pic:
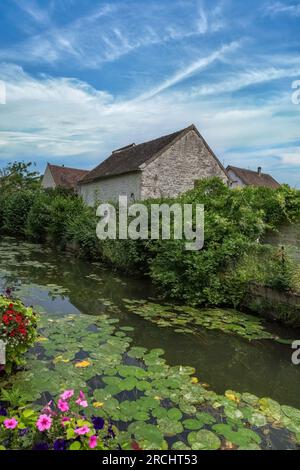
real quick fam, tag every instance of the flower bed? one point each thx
(58, 426)
(17, 331)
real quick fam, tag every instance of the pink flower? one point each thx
(63, 405)
(93, 442)
(82, 431)
(44, 423)
(81, 401)
(10, 423)
(67, 395)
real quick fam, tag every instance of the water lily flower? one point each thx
(10, 423)
(67, 395)
(44, 423)
(63, 405)
(82, 431)
(93, 442)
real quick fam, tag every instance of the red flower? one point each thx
(135, 446)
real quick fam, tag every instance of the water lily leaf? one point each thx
(291, 413)
(174, 414)
(270, 408)
(242, 437)
(169, 427)
(204, 440)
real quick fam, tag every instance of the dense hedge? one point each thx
(235, 220)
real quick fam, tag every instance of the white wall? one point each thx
(48, 181)
(110, 189)
(237, 181)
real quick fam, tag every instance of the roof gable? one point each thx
(66, 177)
(131, 158)
(253, 178)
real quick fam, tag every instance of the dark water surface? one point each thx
(61, 284)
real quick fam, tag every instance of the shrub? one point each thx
(15, 210)
(17, 330)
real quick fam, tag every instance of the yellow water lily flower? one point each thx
(232, 396)
(98, 404)
(41, 339)
(194, 380)
(60, 359)
(82, 364)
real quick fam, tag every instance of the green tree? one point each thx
(18, 175)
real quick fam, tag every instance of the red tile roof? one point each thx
(66, 177)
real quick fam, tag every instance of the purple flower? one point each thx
(3, 411)
(98, 423)
(23, 432)
(60, 444)
(41, 446)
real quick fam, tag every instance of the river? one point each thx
(60, 284)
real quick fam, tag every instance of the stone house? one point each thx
(60, 176)
(240, 177)
(164, 167)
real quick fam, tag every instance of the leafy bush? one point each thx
(15, 209)
(17, 330)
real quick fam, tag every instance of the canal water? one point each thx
(60, 284)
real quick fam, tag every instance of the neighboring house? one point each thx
(241, 177)
(165, 167)
(61, 176)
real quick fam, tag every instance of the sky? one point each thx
(84, 77)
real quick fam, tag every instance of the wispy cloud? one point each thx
(32, 9)
(195, 67)
(241, 80)
(278, 8)
(110, 31)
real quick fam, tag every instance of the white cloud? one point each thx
(70, 122)
(242, 80)
(191, 69)
(277, 8)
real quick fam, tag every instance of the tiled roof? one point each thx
(66, 177)
(254, 178)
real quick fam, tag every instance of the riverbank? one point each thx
(218, 275)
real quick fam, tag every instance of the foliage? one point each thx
(17, 330)
(58, 426)
(14, 211)
(187, 320)
(235, 223)
(18, 176)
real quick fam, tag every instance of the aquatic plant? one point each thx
(152, 403)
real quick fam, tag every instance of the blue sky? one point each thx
(84, 77)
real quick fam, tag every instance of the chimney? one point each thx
(259, 170)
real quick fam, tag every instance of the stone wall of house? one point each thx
(178, 169)
(48, 181)
(111, 188)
